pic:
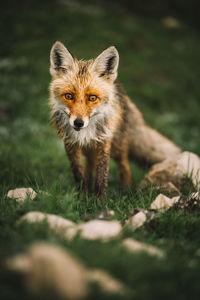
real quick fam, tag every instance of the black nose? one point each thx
(78, 123)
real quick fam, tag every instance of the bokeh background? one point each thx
(159, 47)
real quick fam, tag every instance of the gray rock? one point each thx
(58, 224)
(135, 246)
(141, 217)
(175, 170)
(94, 229)
(163, 202)
(21, 194)
(100, 229)
(47, 267)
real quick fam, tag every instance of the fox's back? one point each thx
(145, 145)
(130, 118)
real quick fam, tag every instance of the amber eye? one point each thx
(69, 96)
(92, 98)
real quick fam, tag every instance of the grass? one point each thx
(159, 70)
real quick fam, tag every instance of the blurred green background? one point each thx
(159, 47)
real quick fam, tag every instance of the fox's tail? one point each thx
(149, 146)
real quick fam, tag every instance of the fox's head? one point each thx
(82, 88)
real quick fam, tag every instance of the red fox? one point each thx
(94, 117)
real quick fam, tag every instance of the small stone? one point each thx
(21, 194)
(163, 202)
(107, 283)
(56, 223)
(137, 220)
(141, 217)
(99, 229)
(33, 217)
(135, 246)
(48, 267)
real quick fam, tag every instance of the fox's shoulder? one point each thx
(119, 90)
(130, 110)
(122, 97)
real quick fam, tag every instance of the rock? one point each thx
(171, 23)
(142, 216)
(175, 170)
(56, 223)
(137, 220)
(107, 283)
(163, 202)
(99, 229)
(135, 246)
(102, 215)
(47, 266)
(190, 203)
(94, 229)
(21, 194)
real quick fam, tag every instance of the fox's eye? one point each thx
(69, 96)
(92, 98)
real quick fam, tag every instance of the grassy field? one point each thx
(159, 68)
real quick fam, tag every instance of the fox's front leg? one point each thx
(75, 156)
(102, 168)
(124, 167)
(125, 173)
(90, 169)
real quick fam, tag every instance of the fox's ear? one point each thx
(106, 64)
(61, 60)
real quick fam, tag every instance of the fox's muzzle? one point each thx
(78, 123)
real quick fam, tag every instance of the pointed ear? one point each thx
(106, 64)
(61, 60)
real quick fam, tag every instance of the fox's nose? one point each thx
(78, 123)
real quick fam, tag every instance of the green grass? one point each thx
(160, 71)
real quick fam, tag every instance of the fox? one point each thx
(95, 118)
